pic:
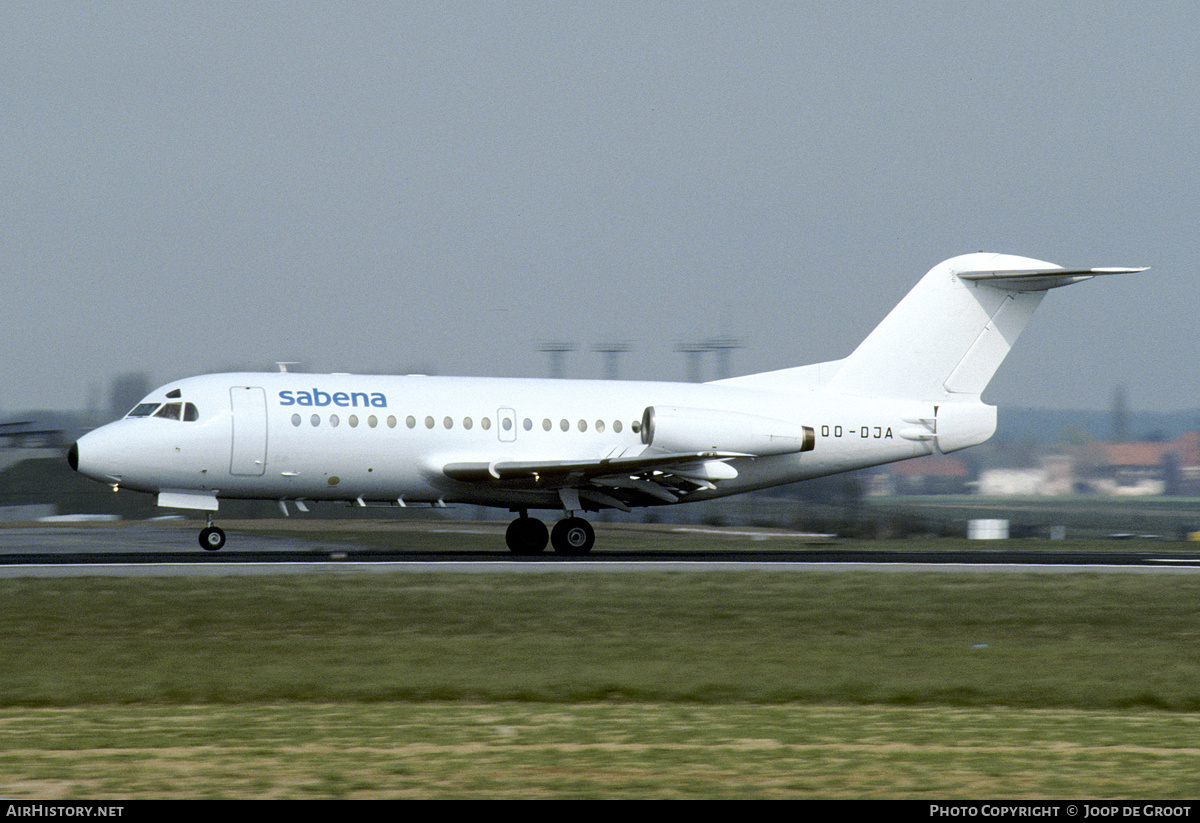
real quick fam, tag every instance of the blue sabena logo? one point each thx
(316, 397)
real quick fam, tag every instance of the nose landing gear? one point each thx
(212, 538)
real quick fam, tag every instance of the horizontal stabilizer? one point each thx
(1038, 279)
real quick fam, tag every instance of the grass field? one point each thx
(607, 750)
(601, 685)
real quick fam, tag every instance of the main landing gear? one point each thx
(211, 537)
(571, 536)
(526, 535)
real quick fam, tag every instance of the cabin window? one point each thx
(547, 425)
(527, 425)
(372, 421)
(316, 419)
(353, 421)
(486, 423)
(617, 425)
(410, 421)
(583, 425)
(333, 420)
(467, 423)
(391, 421)
(507, 424)
(428, 422)
(448, 422)
(564, 424)
(599, 425)
(296, 420)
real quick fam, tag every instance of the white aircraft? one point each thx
(911, 388)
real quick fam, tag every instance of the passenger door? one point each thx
(249, 452)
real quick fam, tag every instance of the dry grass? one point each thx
(510, 750)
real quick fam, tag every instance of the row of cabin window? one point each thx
(467, 423)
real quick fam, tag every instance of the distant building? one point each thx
(1141, 468)
(37, 432)
(933, 474)
(1052, 476)
(35, 435)
(1137, 468)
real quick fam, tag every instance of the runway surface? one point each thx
(157, 550)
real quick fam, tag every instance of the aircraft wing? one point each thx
(1038, 279)
(614, 482)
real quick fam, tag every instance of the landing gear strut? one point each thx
(212, 538)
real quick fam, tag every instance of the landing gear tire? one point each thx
(526, 536)
(211, 539)
(573, 536)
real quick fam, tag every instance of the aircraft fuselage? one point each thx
(374, 438)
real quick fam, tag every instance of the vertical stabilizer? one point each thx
(945, 340)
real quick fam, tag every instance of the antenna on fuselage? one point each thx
(283, 364)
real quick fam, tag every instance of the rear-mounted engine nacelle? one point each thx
(676, 429)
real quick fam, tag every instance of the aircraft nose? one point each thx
(93, 456)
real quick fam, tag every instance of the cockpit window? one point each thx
(167, 411)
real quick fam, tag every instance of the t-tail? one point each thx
(942, 344)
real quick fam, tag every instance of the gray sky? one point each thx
(193, 187)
